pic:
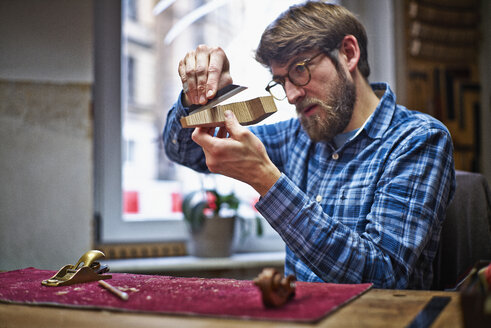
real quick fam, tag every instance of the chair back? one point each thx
(466, 231)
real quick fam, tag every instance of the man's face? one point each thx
(325, 105)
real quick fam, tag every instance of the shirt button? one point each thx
(335, 156)
(318, 198)
(174, 141)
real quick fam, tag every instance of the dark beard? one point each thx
(335, 113)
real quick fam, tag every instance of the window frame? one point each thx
(111, 228)
(107, 133)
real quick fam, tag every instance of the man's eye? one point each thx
(298, 69)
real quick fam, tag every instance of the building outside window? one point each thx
(140, 199)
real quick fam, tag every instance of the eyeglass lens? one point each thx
(298, 74)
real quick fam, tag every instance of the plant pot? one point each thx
(214, 239)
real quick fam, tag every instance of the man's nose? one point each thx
(293, 92)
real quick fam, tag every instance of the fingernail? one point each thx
(202, 99)
(209, 93)
(228, 114)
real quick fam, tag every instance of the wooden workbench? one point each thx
(375, 308)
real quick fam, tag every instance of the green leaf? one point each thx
(197, 217)
(259, 227)
(186, 204)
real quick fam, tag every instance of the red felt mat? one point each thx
(184, 296)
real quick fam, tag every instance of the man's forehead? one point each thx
(286, 63)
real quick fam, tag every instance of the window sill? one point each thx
(180, 264)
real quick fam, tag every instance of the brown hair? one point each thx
(309, 26)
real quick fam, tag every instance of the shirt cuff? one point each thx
(174, 134)
(179, 107)
(282, 203)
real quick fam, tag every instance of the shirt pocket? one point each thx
(354, 202)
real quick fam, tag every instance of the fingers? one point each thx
(203, 137)
(188, 97)
(188, 84)
(240, 155)
(232, 125)
(208, 138)
(222, 133)
(218, 72)
(203, 71)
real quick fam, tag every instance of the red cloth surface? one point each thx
(171, 295)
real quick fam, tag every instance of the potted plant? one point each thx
(211, 219)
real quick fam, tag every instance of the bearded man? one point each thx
(357, 186)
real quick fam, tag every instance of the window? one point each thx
(131, 9)
(137, 48)
(130, 79)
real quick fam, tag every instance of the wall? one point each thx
(485, 55)
(46, 191)
(46, 165)
(377, 17)
(380, 17)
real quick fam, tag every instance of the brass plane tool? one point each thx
(85, 270)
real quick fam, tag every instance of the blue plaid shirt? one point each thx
(368, 211)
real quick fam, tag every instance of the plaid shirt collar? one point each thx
(379, 121)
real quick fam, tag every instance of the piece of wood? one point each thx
(276, 290)
(247, 112)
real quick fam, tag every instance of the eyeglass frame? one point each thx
(274, 82)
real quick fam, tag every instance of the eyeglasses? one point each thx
(298, 74)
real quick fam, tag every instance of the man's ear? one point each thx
(350, 49)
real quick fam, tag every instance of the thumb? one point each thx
(231, 123)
